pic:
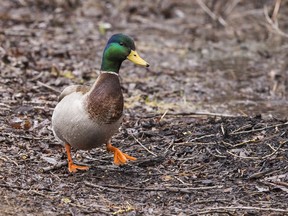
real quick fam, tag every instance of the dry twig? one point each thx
(202, 137)
(189, 114)
(233, 208)
(143, 145)
(48, 87)
(258, 129)
(113, 188)
(260, 158)
(171, 143)
(275, 11)
(54, 166)
(260, 174)
(211, 14)
(273, 22)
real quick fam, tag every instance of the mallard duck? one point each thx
(87, 117)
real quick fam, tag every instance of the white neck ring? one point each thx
(110, 72)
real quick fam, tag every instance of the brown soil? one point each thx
(207, 121)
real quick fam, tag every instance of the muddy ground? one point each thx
(207, 121)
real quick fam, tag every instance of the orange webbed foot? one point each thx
(71, 166)
(119, 157)
(74, 168)
(122, 158)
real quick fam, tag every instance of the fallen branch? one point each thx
(281, 185)
(143, 145)
(259, 129)
(171, 143)
(22, 188)
(260, 158)
(25, 137)
(276, 178)
(202, 113)
(89, 184)
(202, 137)
(165, 189)
(258, 175)
(6, 158)
(211, 14)
(274, 24)
(48, 87)
(231, 6)
(162, 117)
(230, 208)
(5, 105)
(53, 167)
(246, 142)
(215, 155)
(189, 114)
(196, 143)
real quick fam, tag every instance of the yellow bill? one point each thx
(135, 58)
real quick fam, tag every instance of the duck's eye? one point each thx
(121, 44)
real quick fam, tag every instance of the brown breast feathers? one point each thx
(105, 102)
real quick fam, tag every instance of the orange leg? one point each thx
(119, 157)
(71, 166)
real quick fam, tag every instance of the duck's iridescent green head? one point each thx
(118, 48)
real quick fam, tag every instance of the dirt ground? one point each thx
(207, 121)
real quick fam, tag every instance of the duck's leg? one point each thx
(119, 156)
(71, 166)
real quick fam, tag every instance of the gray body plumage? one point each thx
(72, 124)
